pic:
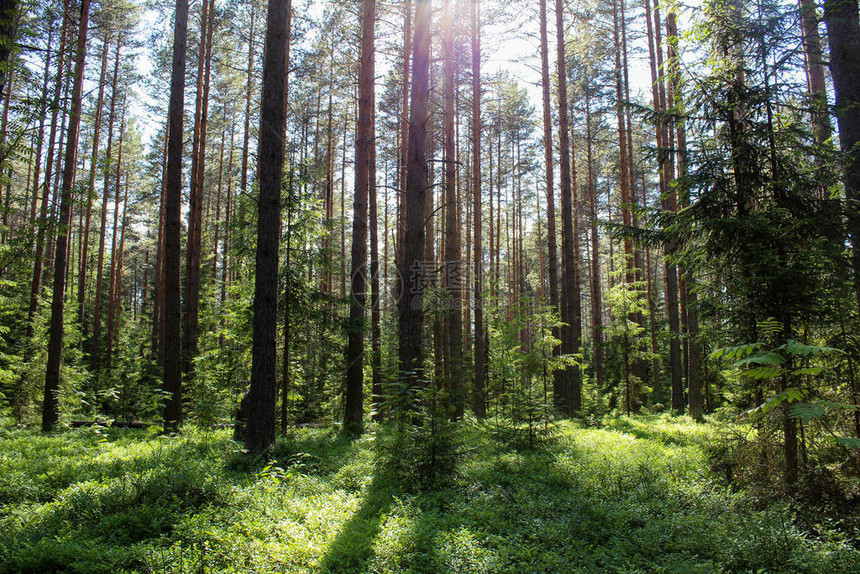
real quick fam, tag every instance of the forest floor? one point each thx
(637, 495)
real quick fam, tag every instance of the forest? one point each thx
(429, 286)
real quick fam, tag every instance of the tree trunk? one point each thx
(403, 156)
(50, 410)
(596, 289)
(259, 404)
(375, 310)
(479, 401)
(354, 404)
(49, 170)
(158, 283)
(411, 318)
(815, 66)
(172, 225)
(246, 137)
(195, 210)
(95, 345)
(691, 306)
(113, 248)
(843, 33)
(567, 387)
(451, 279)
(114, 318)
(668, 202)
(91, 186)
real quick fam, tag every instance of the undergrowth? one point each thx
(636, 496)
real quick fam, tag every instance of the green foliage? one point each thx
(522, 365)
(108, 500)
(627, 342)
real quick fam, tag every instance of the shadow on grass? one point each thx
(398, 457)
(351, 548)
(320, 453)
(109, 505)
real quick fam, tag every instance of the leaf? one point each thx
(769, 326)
(807, 411)
(808, 371)
(736, 351)
(850, 442)
(793, 348)
(770, 358)
(840, 406)
(760, 373)
(789, 395)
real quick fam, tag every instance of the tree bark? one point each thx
(246, 137)
(172, 226)
(816, 84)
(479, 401)
(50, 410)
(259, 403)
(91, 185)
(403, 156)
(567, 387)
(95, 344)
(843, 33)
(43, 226)
(668, 202)
(114, 255)
(190, 334)
(411, 318)
(451, 279)
(354, 403)
(596, 289)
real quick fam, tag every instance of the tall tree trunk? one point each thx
(403, 156)
(172, 225)
(246, 137)
(596, 289)
(668, 202)
(195, 210)
(114, 255)
(451, 279)
(43, 226)
(116, 305)
(691, 306)
(225, 244)
(552, 244)
(567, 389)
(50, 410)
(95, 344)
(91, 185)
(479, 402)
(354, 403)
(375, 310)
(411, 320)
(259, 403)
(158, 283)
(816, 84)
(843, 33)
(213, 261)
(624, 160)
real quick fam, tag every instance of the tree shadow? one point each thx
(402, 463)
(351, 548)
(321, 453)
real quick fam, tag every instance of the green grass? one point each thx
(635, 496)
